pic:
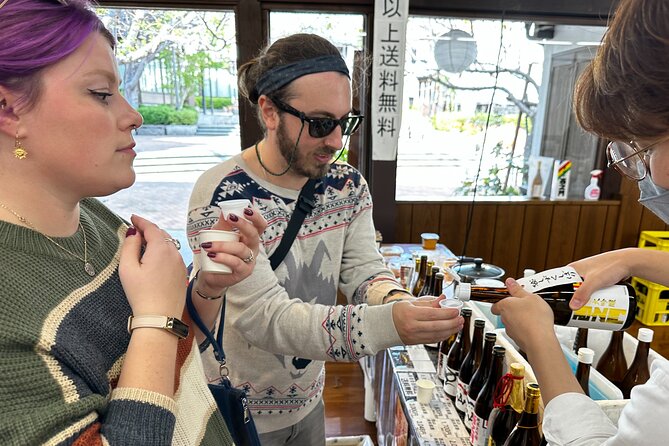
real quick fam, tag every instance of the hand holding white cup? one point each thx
(214, 235)
(235, 207)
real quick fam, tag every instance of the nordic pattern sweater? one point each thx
(281, 325)
(62, 343)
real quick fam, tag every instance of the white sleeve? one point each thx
(575, 420)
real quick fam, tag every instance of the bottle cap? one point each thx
(463, 291)
(585, 355)
(645, 335)
(517, 369)
(479, 322)
(498, 350)
(533, 390)
(490, 336)
(527, 272)
(466, 312)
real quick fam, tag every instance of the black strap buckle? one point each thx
(305, 204)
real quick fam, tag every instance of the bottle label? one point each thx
(469, 415)
(479, 434)
(550, 278)
(441, 365)
(607, 309)
(450, 381)
(461, 396)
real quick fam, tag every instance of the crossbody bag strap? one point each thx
(218, 342)
(305, 204)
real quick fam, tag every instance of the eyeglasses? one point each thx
(322, 127)
(629, 159)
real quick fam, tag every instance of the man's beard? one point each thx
(301, 164)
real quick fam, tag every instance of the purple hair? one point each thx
(38, 33)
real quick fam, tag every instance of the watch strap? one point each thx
(170, 324)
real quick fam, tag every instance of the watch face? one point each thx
(177, 327)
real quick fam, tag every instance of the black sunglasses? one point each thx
(322, 127)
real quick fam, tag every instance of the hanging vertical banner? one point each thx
(390, 22)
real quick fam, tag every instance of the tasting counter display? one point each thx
(402, 420)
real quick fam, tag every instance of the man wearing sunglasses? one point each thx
(281, 325)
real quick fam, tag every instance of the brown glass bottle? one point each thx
(468, 367)
(526, 432)
(585, 356)
(422, 275)
(589, 316)
(479, 377)
(437, 282)
(456, 354)
(485, 399)
(638, 372)
(613, 364)
(502, 420)
(581, 339)
(427, 286)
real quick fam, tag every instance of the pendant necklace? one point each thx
(90, 270)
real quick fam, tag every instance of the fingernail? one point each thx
(205, 245)
(211, 254)
(131, 231)
(248, 211)
(233, 217)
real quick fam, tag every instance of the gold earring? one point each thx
(19, 151)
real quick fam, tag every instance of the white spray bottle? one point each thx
(593, 190)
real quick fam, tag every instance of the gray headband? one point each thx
(282, 75)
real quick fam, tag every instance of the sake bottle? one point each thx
(613, 364)
(638, 372)
(468, 367)
(427, 286)
(585, 356)
(596, 313)
(581, 339)
(505, 414)
(422, 275)
(480, 376)
(456, 356)
(526, 432)
(485, 399)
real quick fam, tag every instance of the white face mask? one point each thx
(655, 198)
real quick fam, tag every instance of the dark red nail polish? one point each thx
(248, 211)
(205, 245)
(211, 254)
(131, 231)
(233, 217)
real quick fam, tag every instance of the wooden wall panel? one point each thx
(536, 232)
(590, 233)
(563, 232)
(403, 227)
(508, 236)
(629, 222)
(424, 218)
(453, 226)
(609, 238)
(482, 233)
(650, 222)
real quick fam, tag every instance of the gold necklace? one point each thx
(90, 270)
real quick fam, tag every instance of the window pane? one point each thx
(452, 68)
(178, 68)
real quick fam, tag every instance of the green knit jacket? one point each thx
(63, 337)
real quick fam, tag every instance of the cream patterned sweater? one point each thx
(281, 325)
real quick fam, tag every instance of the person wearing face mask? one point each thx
(621, 96)
(282, 324)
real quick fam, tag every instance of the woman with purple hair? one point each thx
(93, 347)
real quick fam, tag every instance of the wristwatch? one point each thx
(171, 324)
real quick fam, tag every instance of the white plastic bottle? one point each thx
(593, 190)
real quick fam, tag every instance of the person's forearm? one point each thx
(649, 264)
(551, 368)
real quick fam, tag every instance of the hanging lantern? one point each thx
(455, 51)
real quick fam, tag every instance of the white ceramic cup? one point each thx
(214, 235)
(424, 390)
(234, 207)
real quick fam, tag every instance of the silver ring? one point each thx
(250, 258)
(174, 241)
